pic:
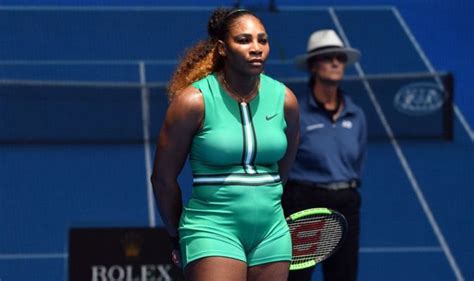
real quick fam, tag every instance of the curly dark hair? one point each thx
(203, 58)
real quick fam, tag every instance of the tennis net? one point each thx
(414, 106)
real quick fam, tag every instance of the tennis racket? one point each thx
(315, 234)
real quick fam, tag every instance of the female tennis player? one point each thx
(240, 129)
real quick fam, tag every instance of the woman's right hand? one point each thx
(176, 257)
(175, 252)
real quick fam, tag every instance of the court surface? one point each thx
(417, 212)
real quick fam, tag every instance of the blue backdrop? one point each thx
(415, 192)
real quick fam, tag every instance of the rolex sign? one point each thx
(121, 254)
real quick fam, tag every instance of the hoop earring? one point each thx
(220, 48)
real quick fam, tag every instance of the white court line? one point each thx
(402, 158)
(41, 256)
(386, 250)
(431, 69)
(145, 98)
(464, 122)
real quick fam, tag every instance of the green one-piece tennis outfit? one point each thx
(234, 210)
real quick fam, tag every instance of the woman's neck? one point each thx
(241, 87)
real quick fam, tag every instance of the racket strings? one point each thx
(315, 237)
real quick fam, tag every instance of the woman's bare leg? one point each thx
(274, 271)
(216, 269)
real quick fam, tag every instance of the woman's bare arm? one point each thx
(183, 119)
(292, 134)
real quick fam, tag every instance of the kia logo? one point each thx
(419, 99)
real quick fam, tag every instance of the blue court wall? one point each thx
(442, 28)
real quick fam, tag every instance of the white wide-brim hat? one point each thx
(324, 42)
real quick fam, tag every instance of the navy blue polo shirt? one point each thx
(329, 151)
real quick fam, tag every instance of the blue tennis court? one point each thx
(77, 148)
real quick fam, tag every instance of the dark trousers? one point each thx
(343, 264)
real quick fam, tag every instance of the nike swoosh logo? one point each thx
(270, 117)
